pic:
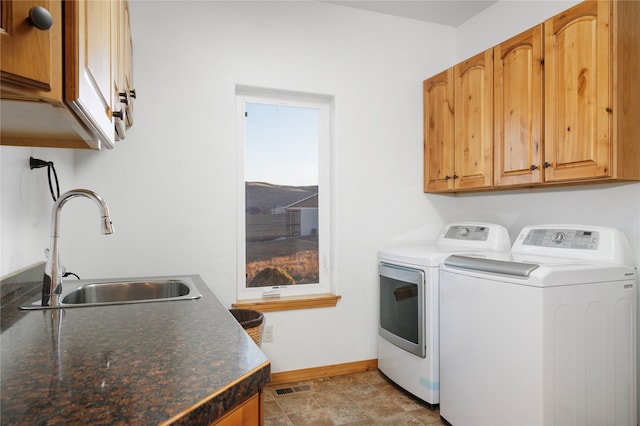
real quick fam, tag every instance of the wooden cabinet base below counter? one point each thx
(248, 413)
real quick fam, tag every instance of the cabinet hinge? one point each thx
(609, 110)
(246, 114)
(542, 62)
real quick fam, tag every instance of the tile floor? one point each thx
(366, 398)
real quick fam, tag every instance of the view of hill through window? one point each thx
(281, 195)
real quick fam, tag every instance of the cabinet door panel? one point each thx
(474, 121)
(29, 57)
(122, 70)
(26, 50)
(126, 58)
(578, 73)
(248, 413)
(438, 132)
(88, 62)
(518, 109)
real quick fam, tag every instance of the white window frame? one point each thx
(324, 104)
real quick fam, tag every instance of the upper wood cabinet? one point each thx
(89, 63)
(578, 93)
(31, 56)
(565, 104)
(518, 109)
(592, 109)
(474, 122)
(457, 126)
(74, 101)
(124, 78)
(439, 132)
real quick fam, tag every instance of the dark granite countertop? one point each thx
(181, 362)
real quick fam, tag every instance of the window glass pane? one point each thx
(281, 190)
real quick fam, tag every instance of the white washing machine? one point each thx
(408, 326)
(545, 335)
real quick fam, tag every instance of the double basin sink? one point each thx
(116, 292)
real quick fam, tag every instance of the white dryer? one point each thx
(408, 323)
(545, 335)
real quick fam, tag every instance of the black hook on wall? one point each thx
(35, 163)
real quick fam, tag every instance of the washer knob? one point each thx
(558, 237)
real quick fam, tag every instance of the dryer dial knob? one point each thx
(558, 237)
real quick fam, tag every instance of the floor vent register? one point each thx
(293, 389)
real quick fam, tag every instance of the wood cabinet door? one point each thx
(89, 86)
(474, 122)
(31, 57)
(119, 34)
(127, 61)
(577, 93)
(249, 413)
(439, 132)
(518, 109)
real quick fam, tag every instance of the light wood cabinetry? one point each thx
(31, 57)
(124, 76)
(457, 126)
(73, 99)
(474, 119)
(89, 65)
(439, 132)
(249, 413)
(592, 56)
(577, 76)
(565, 104)
(518, 109)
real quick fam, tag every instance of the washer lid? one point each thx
(537, 271)
(518, 269)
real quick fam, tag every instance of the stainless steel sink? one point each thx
(109, 292)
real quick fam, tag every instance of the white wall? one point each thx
(171, 184)
(503, 20)
(25, 204)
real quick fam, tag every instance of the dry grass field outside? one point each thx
(266, 245)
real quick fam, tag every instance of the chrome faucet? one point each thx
(53, 270)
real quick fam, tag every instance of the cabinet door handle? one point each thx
(118, 114)
(447, 177)
(546, 165)
(132, 93)
(533, 167)
(455, 176)
(40, 18)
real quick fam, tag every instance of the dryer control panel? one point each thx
(563, 238)
(468, 232)
(473, 236)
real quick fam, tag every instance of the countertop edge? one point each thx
(225, 399)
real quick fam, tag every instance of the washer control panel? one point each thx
(585, 242)
(468, 233)
(563, 238)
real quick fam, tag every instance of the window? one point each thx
(284, 141)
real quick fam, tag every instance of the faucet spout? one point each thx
(53, 270)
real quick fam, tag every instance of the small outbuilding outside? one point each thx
(302, 217)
